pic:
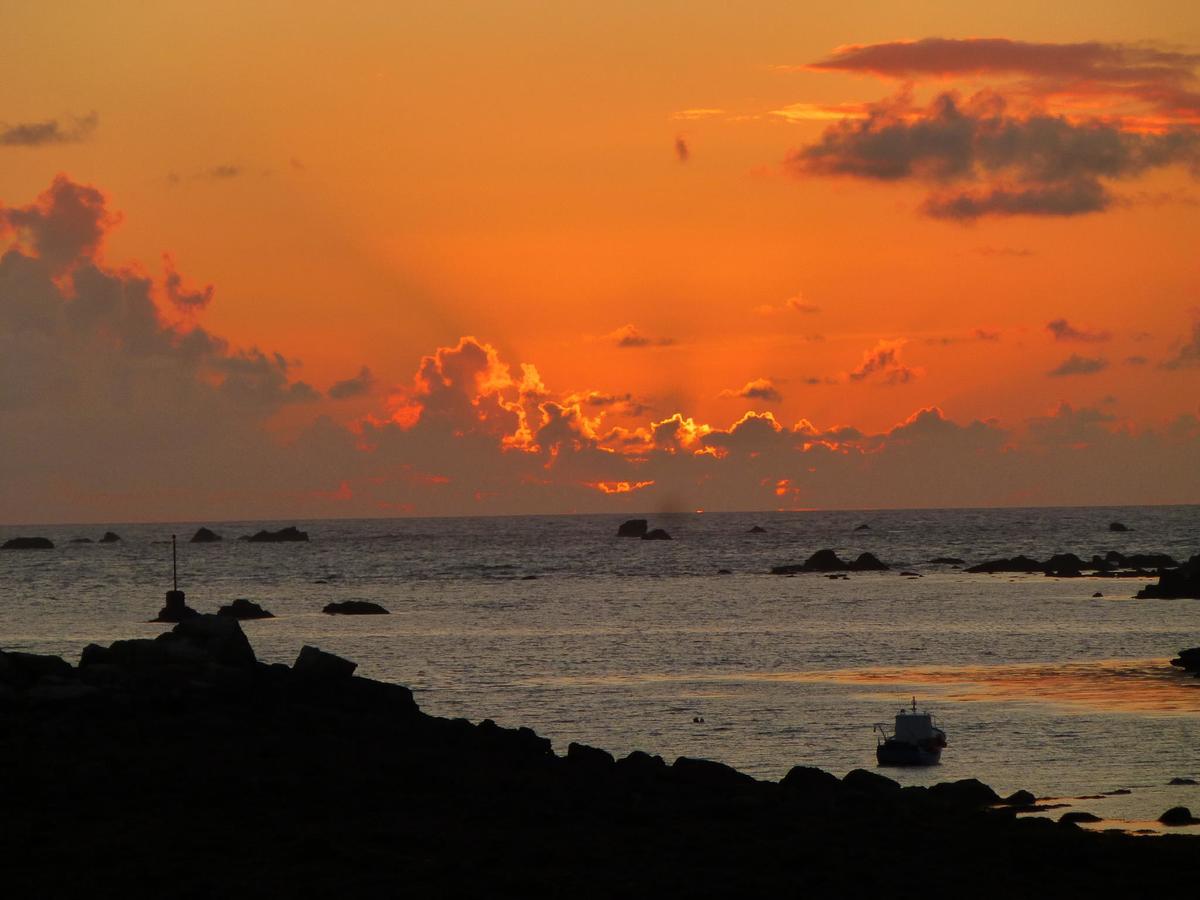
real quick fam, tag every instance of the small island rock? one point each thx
(354, 608)
(28, 543)
(204, 536)
(1117, 526)
(657, 534)
(1178, 815)
(241, 608)
(758, 529)
(634, 528)
(110, 537)
(283, 535)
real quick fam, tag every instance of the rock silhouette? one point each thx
(1189, 660)
(283, 535)
(946, 561)
(241, 608)
(354, 608)
(204, 536)
(81, 540)
(28, 543)
(632, 528)
(1179, 583)
(657, 534)
(110, 537)
(1178, 815)
(758, 529)
(176, 610)
(1117, 526)
(868, 562)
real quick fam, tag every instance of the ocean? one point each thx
(555, 623)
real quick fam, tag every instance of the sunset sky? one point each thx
(281, 260)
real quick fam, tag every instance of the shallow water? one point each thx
(622, 643)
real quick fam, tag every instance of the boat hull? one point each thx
(902, 753)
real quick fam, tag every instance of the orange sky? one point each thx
(362, 185)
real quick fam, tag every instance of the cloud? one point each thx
(1079, 365)
(223, 171)
(978, 159)
(758, 389)
(357, 386)
(791, 304)
(66, 223)
(882, 363)
(1064, 331)
(1188, 355)
(181, 298)
(1136, 361)
(49, 132)
(982, 334)
(681, 150)
(628, 337)
(694, 115)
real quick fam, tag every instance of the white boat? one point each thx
(915, 740)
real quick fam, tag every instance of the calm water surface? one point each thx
(622, 643)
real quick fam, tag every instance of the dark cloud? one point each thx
(1136, 360)
(628, 337)
(223, 171)
(982, 334)
(51, 131)
(682, 153)
(1064, 331)
(1188, 355)
(758, 389)
(182, 298)
(357, 386)
(882, 363)
(1079, 365)
(981, 160)
(66, 223)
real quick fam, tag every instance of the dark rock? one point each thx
(283, 535)
(863, 527)
(1149, 561)
(28, 543)
(1183, 781)
(657, 534)
(1019, 798)
(1175, 584)
(241, 608)
(758, 529)
(176, 609)
(1070, 818)
(790, 569)
(1178, 815)
(708, 773)
(911, 574)
(589, 759)
(810, 780)
(1119, 792)
(315, 664)
(867, 562)
(1188, 659)
(19, 669)
(204, 536)
(110, 537)
(967, 793)
(1117, 526)
(641, 765)
(946, 561)
(81, 540)
(354, 608)
(632, 528)
(867, 782)
(724, 572)
(1064, 565)
(825, 561)
(218, 638)
(1097, 594)
(1016, 564)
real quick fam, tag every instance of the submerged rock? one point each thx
(1178, 815)
(110, 537)
(28, 543)
(354, 608)
(946, 561)
(1183, 582)
(1117, 526)
(758, 529)
(1183, 781)
(81, 540)
(241, 608)
(658, 534)
(1070, 818)
(1016, 564)
(204, 536)
(863, 527)
(632, 528)
(283, 535)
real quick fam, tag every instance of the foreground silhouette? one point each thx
(181, 766)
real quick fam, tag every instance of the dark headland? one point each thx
(183, 767)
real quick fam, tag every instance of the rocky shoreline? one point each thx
(183, 766)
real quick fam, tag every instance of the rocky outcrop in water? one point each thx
(110, 537)
(283, 535)
(1188, 660)
(204, 536)
(1117, 526)
(354, 608)
(828, 561)
(241, 608)
(758, 529)
(633, 528)
(656, 534)
(868, 562)
(1178, 815)
(28, 543)
(176, 609)
(1180, 583)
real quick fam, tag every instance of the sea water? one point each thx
(555, 623)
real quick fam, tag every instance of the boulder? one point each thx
(19, 669)
(354, 608)
(241, 608)
(1117, 526)
(589, 759)
(1020, 798)
(28, 543)
(1178, 815)
(204, 536)
(966, 793)
(176, 609)
(1149, 561)
(1072, 818)
(81, 540)
(867, 782)
(110, 537)
(1175, 584)
(641, 765)
(1183, 781)
(724, 571)
(657, 534)
(868, 562)
(758, 529)
(1064, 565)
(863, 527)
(1097, 594)
(825, 561)
(1016, 564)
(708, 773)
(218, 638)
(283, 535)
(318, 665)
(810, 780)
(632, 528)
